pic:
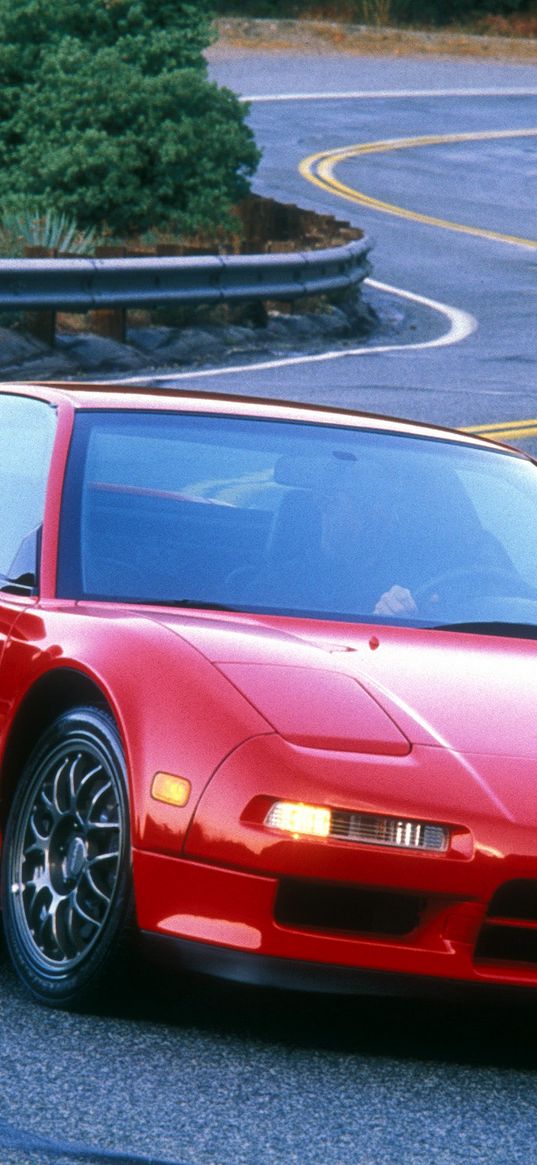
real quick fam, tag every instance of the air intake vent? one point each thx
(348, 909)
(516, 899)
(509, 932)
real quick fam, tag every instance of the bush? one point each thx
(107, 115)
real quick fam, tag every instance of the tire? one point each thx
(66, 876)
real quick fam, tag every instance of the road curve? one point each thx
(477, 171)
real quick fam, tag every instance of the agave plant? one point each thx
(56, 232)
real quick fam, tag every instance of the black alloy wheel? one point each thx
(66, 880)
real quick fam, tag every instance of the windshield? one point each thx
(299, 519)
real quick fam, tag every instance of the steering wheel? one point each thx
(457, 575)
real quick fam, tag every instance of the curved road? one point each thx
(479, 180)
(226, 1077)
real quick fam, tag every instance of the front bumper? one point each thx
(289, 974)
(228, 922)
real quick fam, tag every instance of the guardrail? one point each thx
(80, 285)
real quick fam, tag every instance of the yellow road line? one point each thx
(319, 169)
(504, 425)
(505, 430)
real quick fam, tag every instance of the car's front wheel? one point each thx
(66, 881)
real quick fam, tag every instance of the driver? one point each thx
(337, 546)
(360, 543)
(351, 540)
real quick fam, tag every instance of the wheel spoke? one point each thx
(85, 786)
(41, 823)
(41, 917)
(81, 913)
(97, 796)
(43, 796)
(74, 926)
(56, 786)
(30, 894)
(88, 874)
(68, 917)
(71, 780)
(55, 931)
(35, 847)
(100, 858)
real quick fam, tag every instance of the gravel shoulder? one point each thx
(237, 35)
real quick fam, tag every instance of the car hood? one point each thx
(467, 692)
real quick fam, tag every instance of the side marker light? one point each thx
(169, 789)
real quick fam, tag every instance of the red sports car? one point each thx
(268, 688)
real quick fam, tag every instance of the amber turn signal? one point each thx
(169, 789)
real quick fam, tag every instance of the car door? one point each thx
(27, 428)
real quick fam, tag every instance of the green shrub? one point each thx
(107, 115)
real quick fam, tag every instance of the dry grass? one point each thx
(237, 34)
(518, 25)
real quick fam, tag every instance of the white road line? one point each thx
(461, 326)
(461, 323)
(387, 94)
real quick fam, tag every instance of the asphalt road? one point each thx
(188, 1073)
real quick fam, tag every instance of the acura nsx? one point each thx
(268, 693)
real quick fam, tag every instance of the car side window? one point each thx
(27, 428)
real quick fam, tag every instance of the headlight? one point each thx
(299, 819)
(366, 828)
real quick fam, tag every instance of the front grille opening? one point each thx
(509, 932)
(348, 909)
(516, 899)
(507, 944)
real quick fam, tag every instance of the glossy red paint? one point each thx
(430, 726)
(107, 646)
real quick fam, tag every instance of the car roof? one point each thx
(101, 395)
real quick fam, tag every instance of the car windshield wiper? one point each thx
(492, 627)
(195, 603)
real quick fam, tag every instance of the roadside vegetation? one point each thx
(503, 17)
(109, 126)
